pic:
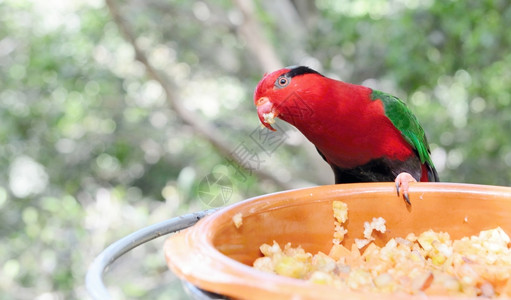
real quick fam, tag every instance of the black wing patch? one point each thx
(378, 170)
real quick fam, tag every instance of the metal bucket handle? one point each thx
(94, 279)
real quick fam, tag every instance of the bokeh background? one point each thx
(115, 115)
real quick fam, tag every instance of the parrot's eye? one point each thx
(282, 81)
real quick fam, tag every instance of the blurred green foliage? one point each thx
(91, 150)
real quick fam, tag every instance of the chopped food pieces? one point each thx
(238, 220)
(341, 216)
(269, 118)
(340, 211)
(428, 264)
(377, 224)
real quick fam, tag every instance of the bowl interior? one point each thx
(306, 218)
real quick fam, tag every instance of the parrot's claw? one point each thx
(405, 193)
(402, 181)
(407, 198)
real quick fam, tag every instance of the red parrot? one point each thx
(363, 134)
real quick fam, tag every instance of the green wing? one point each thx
(406, 122)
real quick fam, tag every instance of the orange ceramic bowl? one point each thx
(216, 256)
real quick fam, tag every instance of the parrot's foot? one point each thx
(402, 181)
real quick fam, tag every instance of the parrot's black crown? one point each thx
(300, 70)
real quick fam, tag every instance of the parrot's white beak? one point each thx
(267, 112)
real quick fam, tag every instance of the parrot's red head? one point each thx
(276, 95)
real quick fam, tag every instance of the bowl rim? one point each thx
(192, 256)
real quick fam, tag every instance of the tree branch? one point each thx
(202, 128)
(257, 43)
(264, 52)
